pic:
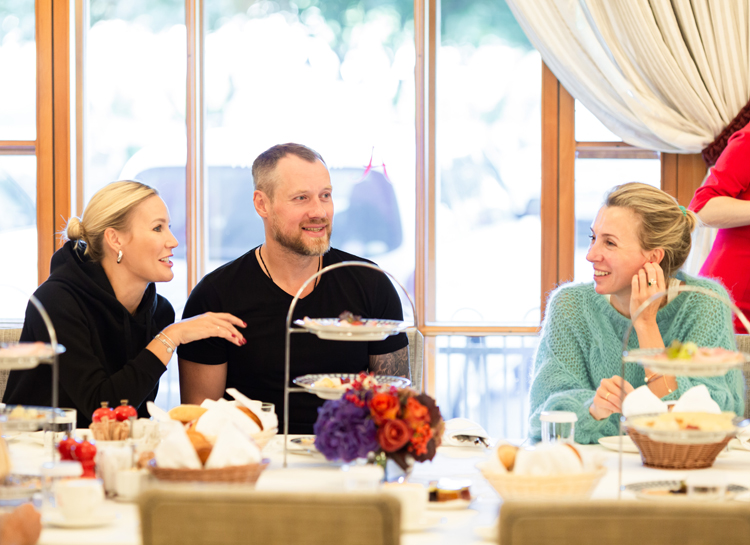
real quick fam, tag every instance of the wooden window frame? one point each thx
(681, 174)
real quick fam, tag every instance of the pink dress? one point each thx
(729, 259)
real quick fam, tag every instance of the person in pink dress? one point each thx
(723, 201)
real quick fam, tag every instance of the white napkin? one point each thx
(160, 415)
(696, 400)
(643, 401)
(214, 419)
(233, 448)
(462, 426)
(176, 451)
(269, 420)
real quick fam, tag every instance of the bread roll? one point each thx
(186, 413)
(252, 415)
(507, 455)
(201, 445)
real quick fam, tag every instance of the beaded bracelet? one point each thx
(168, 344)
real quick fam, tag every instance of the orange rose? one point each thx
(384, 407)
(393, 435)
(419, 440)
(416, 414)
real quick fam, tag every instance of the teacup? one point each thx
(413, 498)
(79, 498)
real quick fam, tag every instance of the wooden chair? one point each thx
(416, 356)
(7, 336)
(230, 515)
(624, 523)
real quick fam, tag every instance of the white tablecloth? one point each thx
(454, 462)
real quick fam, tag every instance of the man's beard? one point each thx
(314, 246)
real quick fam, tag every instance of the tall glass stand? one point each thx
(29, 362)
(627, 357)
(289, 330)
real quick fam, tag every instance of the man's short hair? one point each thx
(265, 164)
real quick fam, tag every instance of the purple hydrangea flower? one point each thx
(344, 431)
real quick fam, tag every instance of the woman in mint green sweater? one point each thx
(639, 240)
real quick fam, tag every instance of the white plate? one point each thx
(307, 382)
(659, 491)
(17, 362)
(102, 517)
(302, 445)
(613, 443)
(451, 505)
(644, 357)
(425, 523)
(334, 329)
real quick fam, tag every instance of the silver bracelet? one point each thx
(163, 340)
(168, 339)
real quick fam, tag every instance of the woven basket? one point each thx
(673, 456)
(527, 487)
(247, 474)
(263, 437)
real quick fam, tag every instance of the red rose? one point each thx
(384, 407)
(393, 435)
(416, 414)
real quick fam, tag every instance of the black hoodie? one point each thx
(106, 357)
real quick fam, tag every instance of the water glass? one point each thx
(558, 426)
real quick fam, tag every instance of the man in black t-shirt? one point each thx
(293, 196)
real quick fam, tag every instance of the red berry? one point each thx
(125, 411)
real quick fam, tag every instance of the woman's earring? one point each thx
(119, 256)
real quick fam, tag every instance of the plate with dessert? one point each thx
(678, 490)
(26, 417)
(333, 385)
(350, 327)
(26, 355)
(687, 359)
(449, 494)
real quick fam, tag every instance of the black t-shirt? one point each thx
(257, 368)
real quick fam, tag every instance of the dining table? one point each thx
(307, 470)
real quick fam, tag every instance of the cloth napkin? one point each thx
(176, 451)
(221, 412)
(463, 426)
(696, 400)
(232, 448)
(642, 401)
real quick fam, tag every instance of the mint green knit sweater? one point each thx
(581, 343)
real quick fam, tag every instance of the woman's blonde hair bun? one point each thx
(111, 206)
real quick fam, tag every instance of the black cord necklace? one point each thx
(260, 255)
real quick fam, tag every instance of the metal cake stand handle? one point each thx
(291, 390)
(626, 339)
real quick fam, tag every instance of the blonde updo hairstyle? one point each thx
(111, 206)
(663, 223)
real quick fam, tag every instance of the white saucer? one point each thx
(451, 505)
(613, 443)
(101, 517)
(425, 523)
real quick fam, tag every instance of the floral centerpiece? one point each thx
(370, 417)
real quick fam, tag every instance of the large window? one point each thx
(458, 162)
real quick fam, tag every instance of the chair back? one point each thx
(623, 523)
(416, 357)
(743, 345)
(7, 336)
(238, 515)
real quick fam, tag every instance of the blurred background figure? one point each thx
(723, 201)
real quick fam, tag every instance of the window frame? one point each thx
(55, 19)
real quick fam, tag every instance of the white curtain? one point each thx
(667, 75)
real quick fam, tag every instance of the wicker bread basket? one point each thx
(675, 456)
(527, 487)
(247, 474)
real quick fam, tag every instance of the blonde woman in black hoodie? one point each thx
(118, 332)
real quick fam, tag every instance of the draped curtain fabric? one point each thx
(666, 75)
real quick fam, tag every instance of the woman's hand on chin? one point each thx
(648, 281)
(608, 398)
(203, 326)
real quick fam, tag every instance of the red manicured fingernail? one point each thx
(244, 324)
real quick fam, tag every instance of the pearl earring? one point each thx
(119, 256)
